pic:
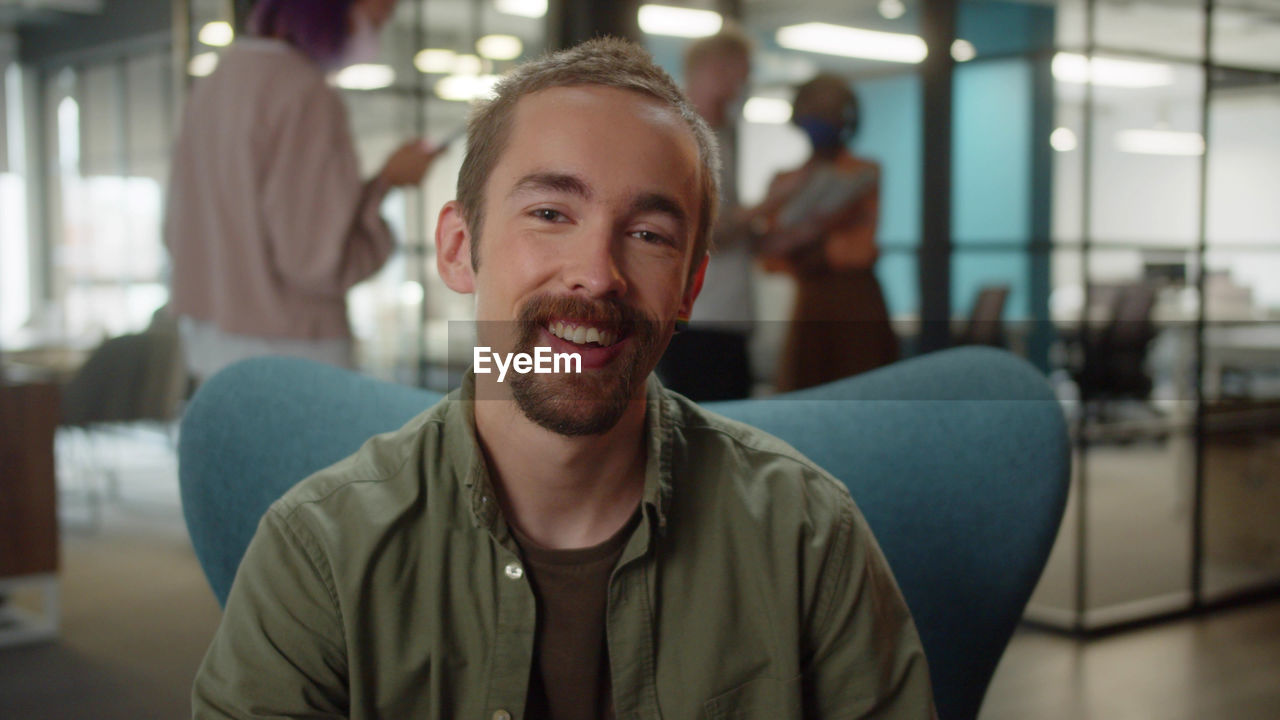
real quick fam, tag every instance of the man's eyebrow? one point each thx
(553, 181)
(660, 203)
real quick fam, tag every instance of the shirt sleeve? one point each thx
(867, 660)
(279, 652)
(324, 225)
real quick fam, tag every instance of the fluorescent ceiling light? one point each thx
(678, 21)
(465, 88)
(499, 47)
(1063, 140)
(523, 8)
(766, 111)
(217, 34)
(365, 76)
(963, 50)
(1110, 72)
(853, 42)
(891, 9)
(435, 60)
(202, 64)
(468, 65)
(1160, 142)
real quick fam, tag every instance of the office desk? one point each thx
(28, 510)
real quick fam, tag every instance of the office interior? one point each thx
(1090, 184)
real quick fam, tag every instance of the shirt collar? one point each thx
(468, 466)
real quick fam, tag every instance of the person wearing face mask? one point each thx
(268, 221)
(708, 360)
(818, 223)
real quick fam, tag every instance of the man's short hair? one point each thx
(729, 42)
(606, 62)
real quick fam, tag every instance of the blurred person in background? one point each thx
(269, 222)
(818, 223)
(708, 360)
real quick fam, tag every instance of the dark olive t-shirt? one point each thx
(570, 677)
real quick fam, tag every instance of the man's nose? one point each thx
(594, 269)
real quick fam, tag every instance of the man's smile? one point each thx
(583, 333)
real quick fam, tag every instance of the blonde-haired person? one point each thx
(268, 221)
(709, 359)
(818, 224)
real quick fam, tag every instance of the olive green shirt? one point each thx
(389, 586)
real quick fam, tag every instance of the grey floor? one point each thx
(137, 617)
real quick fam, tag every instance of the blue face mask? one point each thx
(822, 134)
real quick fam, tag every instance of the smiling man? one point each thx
(574, 544)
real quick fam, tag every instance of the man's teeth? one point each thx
(582, 335)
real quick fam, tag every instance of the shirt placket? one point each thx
(630, 634)
(511, 657)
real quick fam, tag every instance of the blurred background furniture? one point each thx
(1112, 362)
(129, 383)
(959, 461)
(28, 511)
(986, 318)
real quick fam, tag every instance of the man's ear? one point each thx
(453, 249)
(694, 287)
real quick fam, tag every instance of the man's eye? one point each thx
(652, 237)
(548, 214)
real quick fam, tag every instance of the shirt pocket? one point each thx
(759, 699)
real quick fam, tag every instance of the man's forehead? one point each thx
(553, 124)
(570, 101)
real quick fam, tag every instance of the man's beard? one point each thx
(590, 402)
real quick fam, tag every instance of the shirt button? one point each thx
(501, 715)
(515, 572)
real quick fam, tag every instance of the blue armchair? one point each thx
(959, 461)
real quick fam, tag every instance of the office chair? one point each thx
(986, 325)
(128, 383)
(1113, 358)
(958, 460)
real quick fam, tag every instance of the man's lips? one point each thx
(581, 332)
(593, 354)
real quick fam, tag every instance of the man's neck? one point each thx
(563, 492)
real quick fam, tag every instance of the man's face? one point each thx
(590, 217)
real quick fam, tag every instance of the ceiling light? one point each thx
(523, 8)
(465, 88)
(891, 9)
(468, 65)
(853, 42)
(435, 60)
(963, 50)
(766, 111)
(1160, 142)
(678, 21)
(217, 34)
(1074, 68)
(364, 76)
(499, 47)
(1063, 140)
(202, 64)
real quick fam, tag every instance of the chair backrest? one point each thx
(959, 461)
(139, 376)
(986, 325)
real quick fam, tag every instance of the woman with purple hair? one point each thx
(269, 222)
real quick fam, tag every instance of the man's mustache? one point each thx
(607, 314)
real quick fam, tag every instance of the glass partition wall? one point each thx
(1163, 309)
(1106, 177)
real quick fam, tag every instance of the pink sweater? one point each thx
(268, 223)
